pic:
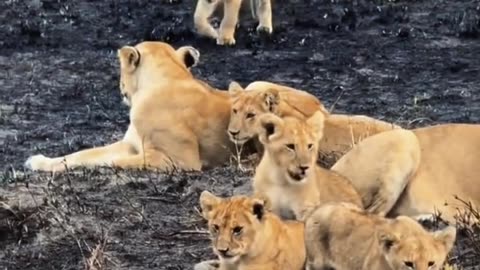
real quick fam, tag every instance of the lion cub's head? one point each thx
(234, 224)
(247, 106)
(407, 245)
(147, 63)
(291, 144)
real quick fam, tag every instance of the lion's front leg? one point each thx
(99, 156)
(264, 16)
(229, 22)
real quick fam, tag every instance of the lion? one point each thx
(261, 10)
(247, 236)
(288, 174)
(418, 173)
(342, 236)
(176, 120)
(341, 131)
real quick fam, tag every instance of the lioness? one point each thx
(288, 174)
(176, 121)
(247, 236)
(231, 8)
(344, 237)
(417, 174)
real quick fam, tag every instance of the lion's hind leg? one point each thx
(203, 11)
(380, 167)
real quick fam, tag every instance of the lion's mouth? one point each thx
(238, 141)
(296, 176)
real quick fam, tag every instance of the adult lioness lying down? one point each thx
(397, 171)
(175, 119)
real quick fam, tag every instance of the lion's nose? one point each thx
(223, 251)
(303, 168)
(233, 133)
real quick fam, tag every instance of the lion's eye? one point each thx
(250, 115)
(431, 263)
(215, 228)
(290, 146)
(234, 110)
(310, 145)
(408, 264)
(237, 230)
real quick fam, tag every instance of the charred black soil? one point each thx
(414, 63)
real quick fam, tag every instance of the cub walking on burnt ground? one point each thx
(261, 9)
(288, 174)
(342, 236)
(247, 236)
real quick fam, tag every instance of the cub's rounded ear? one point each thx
(446, 237)
(259, 207)
(208, 202)
(189, 55)
(269, 127)
(386, 237)
(234, 88)
(129, 58)
(317, 122)
(271, 98)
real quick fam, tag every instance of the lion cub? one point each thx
(246, 236)
(342, 236)
(288, 174)
(231, 8)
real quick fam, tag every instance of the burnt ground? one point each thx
(415, 63)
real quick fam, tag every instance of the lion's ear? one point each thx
(446, 237)
(234, 88)
(386, 237)
(271, 98)
(258, 207)
(317, 122)
(189, 55)
(208, 202)
(269, 127)
(129, 58)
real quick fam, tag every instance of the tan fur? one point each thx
(205, 9)
(247, 236)
(341, 132)
(288, 174)
(418, 172)
(430, 164)
(344, 237)
(175, 119)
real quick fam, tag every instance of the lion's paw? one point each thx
(42, 163)
(226, 41)
(261, 29)
(207, 265)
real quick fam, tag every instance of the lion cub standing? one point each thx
(246, 236)
(288, 174)
(342, 236)
(231, 8)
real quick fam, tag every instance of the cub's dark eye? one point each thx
(431, 263)
(234, 110)
(408, 264)
(250, 115)
(310, 145)
(237, 230)
(215, 228)
(290, 146)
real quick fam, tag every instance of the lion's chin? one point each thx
(230, 259)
